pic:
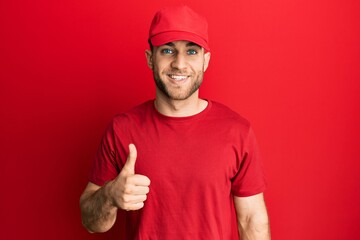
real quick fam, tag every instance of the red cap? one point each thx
(178, 23)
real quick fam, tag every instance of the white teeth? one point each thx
(177, 77)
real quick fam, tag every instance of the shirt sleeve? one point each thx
(105, 167)
(250, 178)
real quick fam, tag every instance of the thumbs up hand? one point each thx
(129, 190)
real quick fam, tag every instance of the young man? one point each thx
(182, 167)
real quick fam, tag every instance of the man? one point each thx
(182, 167)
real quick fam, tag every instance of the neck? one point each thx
(180, 108)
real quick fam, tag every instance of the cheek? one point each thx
(160, 65)
(198, 65)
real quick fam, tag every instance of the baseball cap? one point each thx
(178, 23)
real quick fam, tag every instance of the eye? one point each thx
(167, 51)
(192, 52)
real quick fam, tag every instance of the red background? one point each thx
(291, 67)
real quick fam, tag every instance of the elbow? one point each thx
(255, 226)
(259, 222)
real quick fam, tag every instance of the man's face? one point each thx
(178, 68)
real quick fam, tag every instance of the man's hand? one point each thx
(129, 190)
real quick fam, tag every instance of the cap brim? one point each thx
(166, 37)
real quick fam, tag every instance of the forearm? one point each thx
(97, 211)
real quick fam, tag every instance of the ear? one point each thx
(206, 60)
(149, 59)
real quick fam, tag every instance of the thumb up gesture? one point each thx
(129, 190)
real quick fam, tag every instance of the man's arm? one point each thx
(253, 221)
(127, 191)
(97, 212)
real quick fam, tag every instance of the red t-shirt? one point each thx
(196, 165)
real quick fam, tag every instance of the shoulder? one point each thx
(225, 114)
(132, 118)
(134, 114)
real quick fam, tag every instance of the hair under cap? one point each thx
(176, 24)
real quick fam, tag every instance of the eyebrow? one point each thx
(171, 44)
(189, 44)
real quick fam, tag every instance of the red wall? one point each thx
(291, 67)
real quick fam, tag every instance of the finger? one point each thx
(136, 190)
(130, 202)
(132, 199)
(129, 166)
(138, 180)
(135, 206)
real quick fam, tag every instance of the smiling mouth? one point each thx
(178, 77)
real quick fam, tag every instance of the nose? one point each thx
(179, 62)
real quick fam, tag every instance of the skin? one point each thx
(127, 191)
(185, 61)
(178, 68)
(253, 221)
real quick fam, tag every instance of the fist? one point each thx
(129, 190)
